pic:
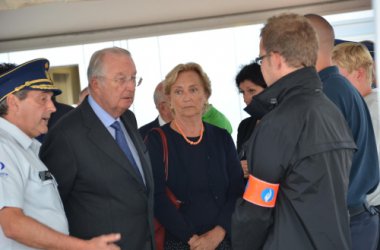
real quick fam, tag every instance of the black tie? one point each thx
(122, 142)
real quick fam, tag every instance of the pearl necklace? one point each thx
(184, 136)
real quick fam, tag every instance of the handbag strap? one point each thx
(164, 151)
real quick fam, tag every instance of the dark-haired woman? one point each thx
(250, 82)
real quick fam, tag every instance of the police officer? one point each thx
(31, 211)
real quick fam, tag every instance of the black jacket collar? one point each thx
(305, 79)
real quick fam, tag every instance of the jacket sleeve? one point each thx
(235, 186)
(267, 155)
(250, 225)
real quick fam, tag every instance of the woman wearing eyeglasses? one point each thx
(250, 82)
(204, 172)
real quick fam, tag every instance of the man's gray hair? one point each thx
(95, 67)
(21, 95)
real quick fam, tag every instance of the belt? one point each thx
(356, 210)
(361, 209)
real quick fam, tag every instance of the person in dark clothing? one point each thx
(203, 167)
(4, 67)
(99, 160)
(300, 153)
(61, 110)
(250, 82)
(164, 113)
(364, 175)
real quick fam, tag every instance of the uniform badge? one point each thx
(2, 170)
(45, 175)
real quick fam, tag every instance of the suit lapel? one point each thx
(100, 137)
(140, 147)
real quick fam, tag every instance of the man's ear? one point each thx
(361, 73)
(94, 84)
(13, 102)
(277, 60)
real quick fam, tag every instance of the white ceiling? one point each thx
(28, 24)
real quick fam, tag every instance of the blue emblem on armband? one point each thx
(267, 194)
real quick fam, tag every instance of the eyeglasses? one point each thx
(121, 80)
(259, 60)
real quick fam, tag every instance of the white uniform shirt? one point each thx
(25, 183)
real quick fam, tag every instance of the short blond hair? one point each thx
(352, 56)
(172, 76)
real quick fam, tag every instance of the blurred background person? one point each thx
(62, 109)
(82, 95)
(204, 172)
(4, 67)
(250, 82)
(356, 64)
(371, 48)
(216, 118)
(161, 100)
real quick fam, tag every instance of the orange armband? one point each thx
(260, 192)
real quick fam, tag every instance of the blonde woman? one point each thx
(204, 170)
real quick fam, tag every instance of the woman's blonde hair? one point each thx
(172, 76)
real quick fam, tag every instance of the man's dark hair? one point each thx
(5, 67)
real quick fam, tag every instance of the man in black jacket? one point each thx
(300, 154)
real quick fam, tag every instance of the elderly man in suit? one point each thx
(99, 159)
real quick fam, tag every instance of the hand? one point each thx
(209, 240)
(244, 166)
(104, 242)
(193, 239)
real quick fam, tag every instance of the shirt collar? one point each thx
(327, 72)
(104, 117)
(23, 139)
(304, 78)
(161, 121)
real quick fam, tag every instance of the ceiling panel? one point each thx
(45, 23)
